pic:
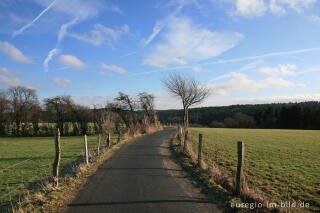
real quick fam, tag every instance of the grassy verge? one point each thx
(215, 192)
(280, 165)
(46, 198)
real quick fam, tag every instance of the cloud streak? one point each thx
(268, 55)
(15, 33)
(62, 33)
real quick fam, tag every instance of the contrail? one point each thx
(268, 55)
(49, 58)
(33, 21)
(62, 33)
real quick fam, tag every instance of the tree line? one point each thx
(305, 115)
(22, 114)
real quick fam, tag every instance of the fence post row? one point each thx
(239, 177)
(200, 150)
(99, 136)
(86, 149)
(56, 162)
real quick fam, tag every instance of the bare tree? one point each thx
(147, 104)
(189, 90)
(126, 107)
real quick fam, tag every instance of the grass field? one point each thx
(26, 161)
(281, 165)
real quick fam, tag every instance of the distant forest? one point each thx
(305, 115)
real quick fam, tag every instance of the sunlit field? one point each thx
(281, 165)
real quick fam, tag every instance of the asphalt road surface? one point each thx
(141, 177)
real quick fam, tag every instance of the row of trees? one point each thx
(21, 114)
(305, 115)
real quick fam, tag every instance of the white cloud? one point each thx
(62, 82)
(101, 34)
(278, 83)
(9, 78)
(160, 24)
(256, 8)
(264, 100)
(240, 83)
(278, 6)
(288, 69)
(250, 8)
(315, 19)
(71, 61)
(165, 101)
(302, 85)
(78, 10)
(114, 68)
(197, 69)
(283, 69)
(275, 8)
(184, 41)
(246, 67)
(269, 70)
(14, 53)
(62, 33)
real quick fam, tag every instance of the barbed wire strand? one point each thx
(13, 166)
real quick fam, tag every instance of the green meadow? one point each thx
(27, 161)
(280, 165)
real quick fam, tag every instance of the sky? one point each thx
(246, 51)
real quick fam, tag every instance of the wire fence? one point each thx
(26, 173)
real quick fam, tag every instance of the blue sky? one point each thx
(247, 51)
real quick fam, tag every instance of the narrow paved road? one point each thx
(141, 177)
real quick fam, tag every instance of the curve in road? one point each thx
(141, 177)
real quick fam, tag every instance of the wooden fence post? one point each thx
(99, 141)
(86, 149)
(200, 150)
(108, 139)
(239, 177)
(56, 162)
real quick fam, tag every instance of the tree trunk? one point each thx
(185, 127)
